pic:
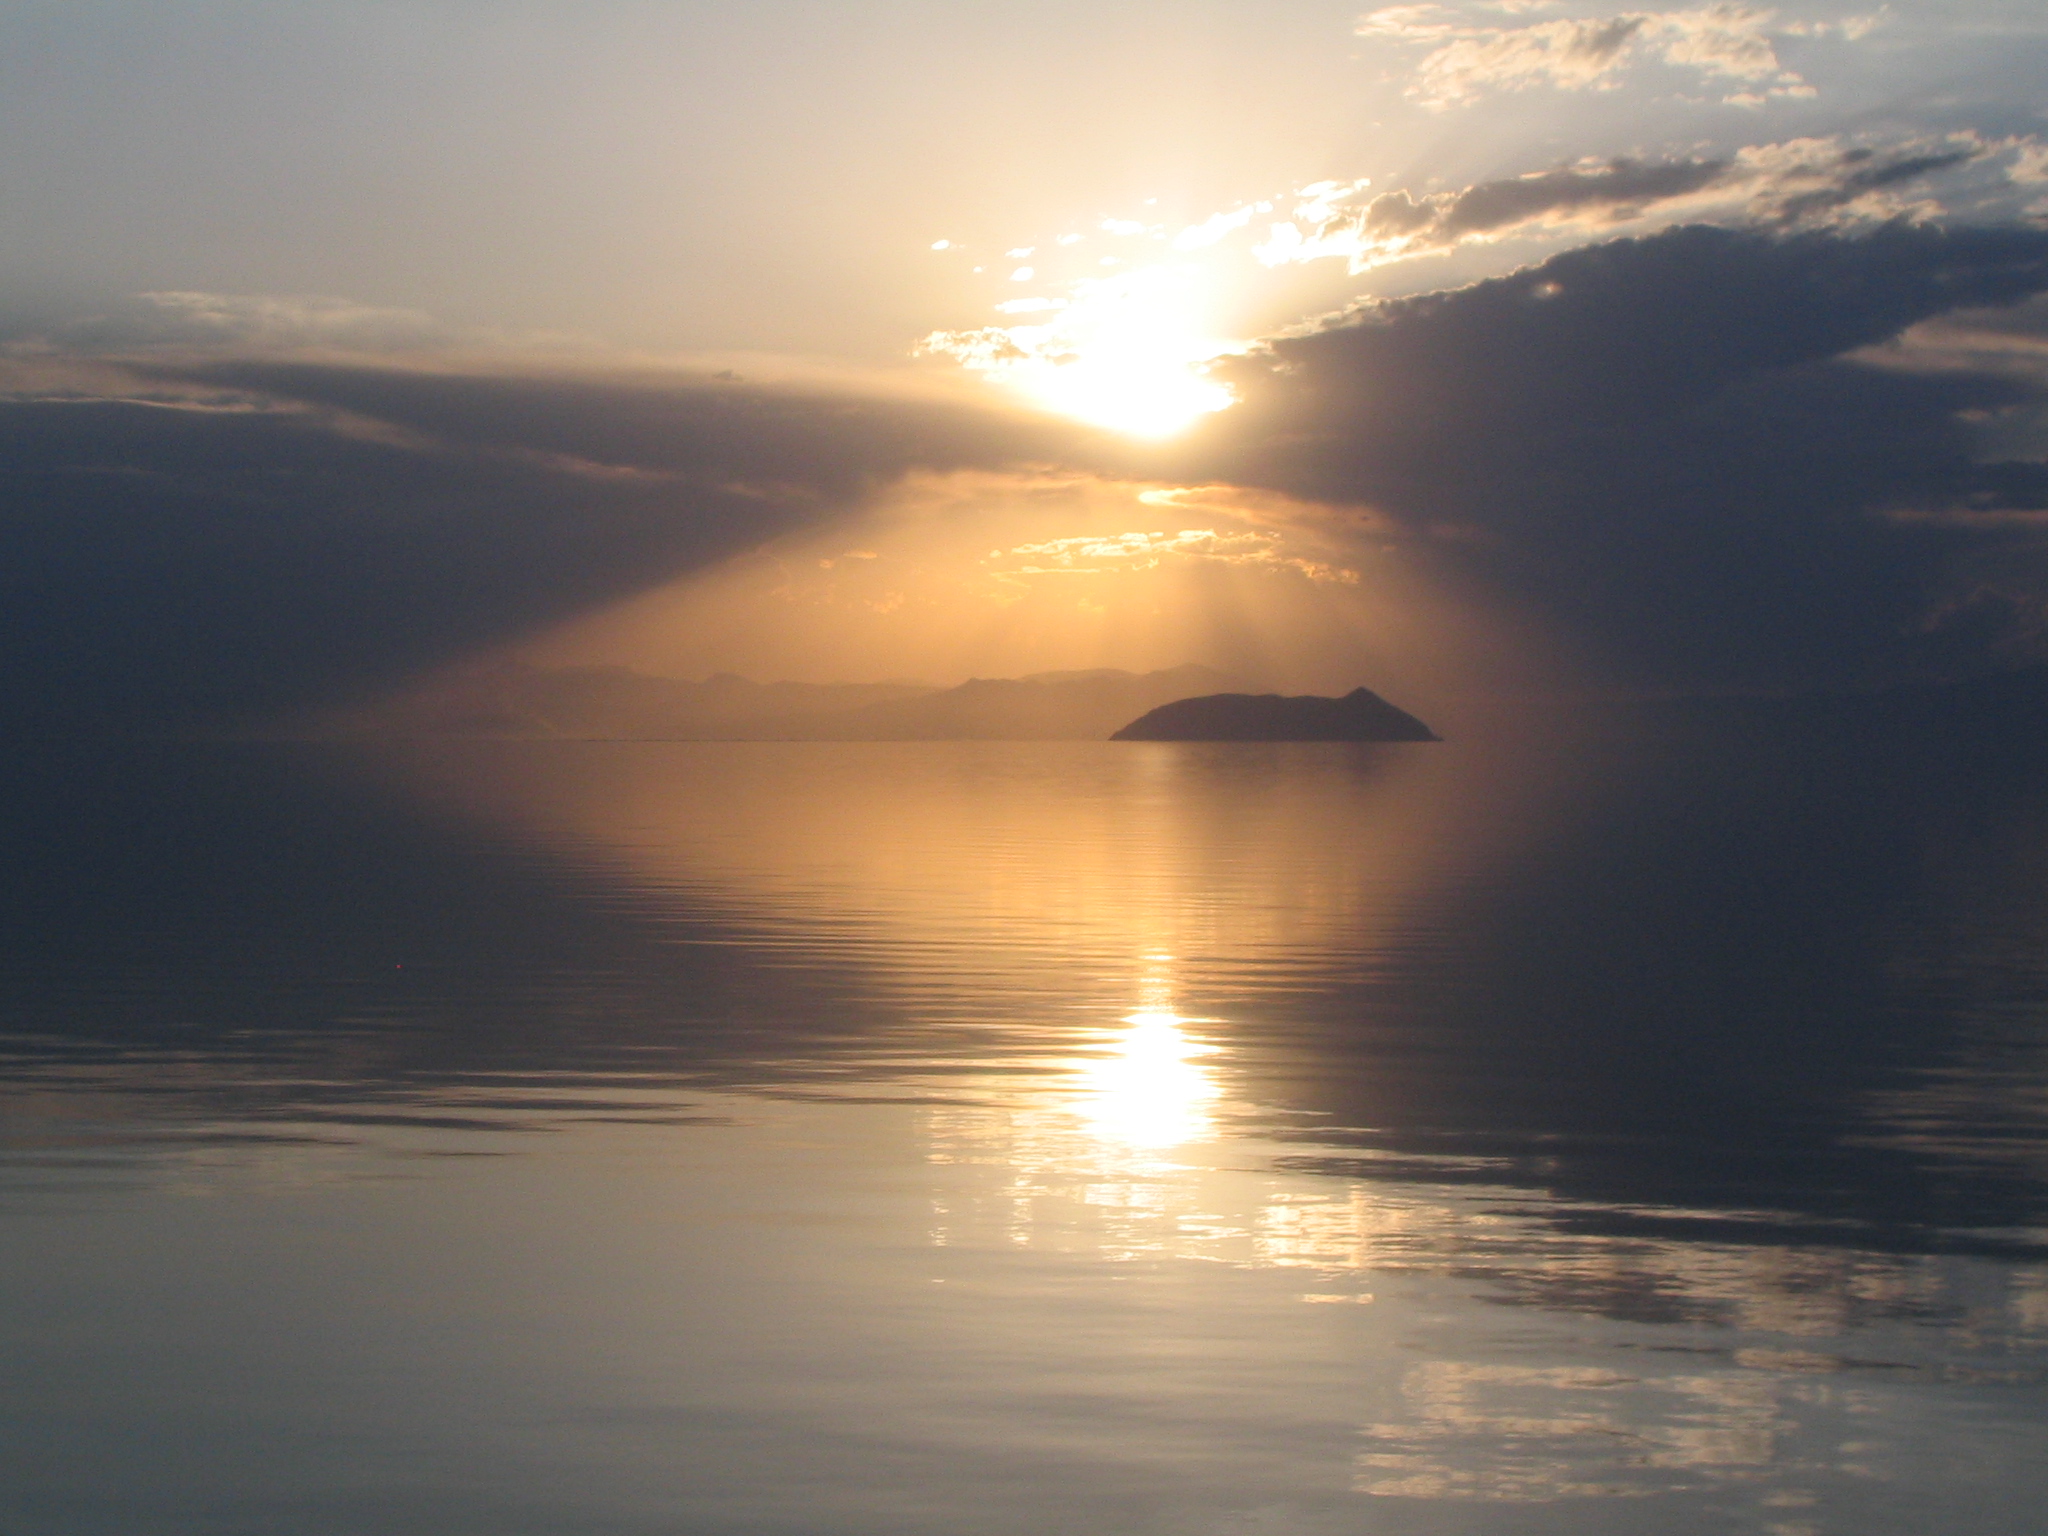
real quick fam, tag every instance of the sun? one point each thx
(1126, 352)
(1140, 391)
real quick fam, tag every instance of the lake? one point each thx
(1537, 1132)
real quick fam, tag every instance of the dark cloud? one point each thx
(1861, 172)
(1664, 445)
(1800, 184)
(821, 442)
(1495, 204)
(1397, 223)
(299, 534)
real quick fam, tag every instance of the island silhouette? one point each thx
(1360, 715)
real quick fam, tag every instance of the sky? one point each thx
(1484, 347)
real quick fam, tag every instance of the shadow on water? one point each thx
(1760, 990)
(217, 936)
(1735, 991)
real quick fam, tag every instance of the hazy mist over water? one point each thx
(1534, 1134)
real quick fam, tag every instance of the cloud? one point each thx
(1566, 54)
(258, 322)
(1727, 41)
(1131, 551)
(196, 543)
(1619, 184)
(1799, 182)
(1672, 447)
(1397, 226)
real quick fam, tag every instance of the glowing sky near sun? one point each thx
(1115, 325)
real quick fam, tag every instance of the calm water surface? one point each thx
(1011, 1138)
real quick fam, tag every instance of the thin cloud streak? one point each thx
(1799, 183)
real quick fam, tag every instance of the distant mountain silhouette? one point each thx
(618, 704)
(1361, 715)
(510, 699)
(1047, 706)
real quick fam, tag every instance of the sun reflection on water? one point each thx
(1150, 1091)
(1105, 1124)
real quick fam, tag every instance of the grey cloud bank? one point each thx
(1666, 447)
(249, 537)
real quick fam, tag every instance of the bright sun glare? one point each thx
(1143, 392)
(1149, 1091)
(1123, 352)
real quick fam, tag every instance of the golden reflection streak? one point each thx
(1149, 1092)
